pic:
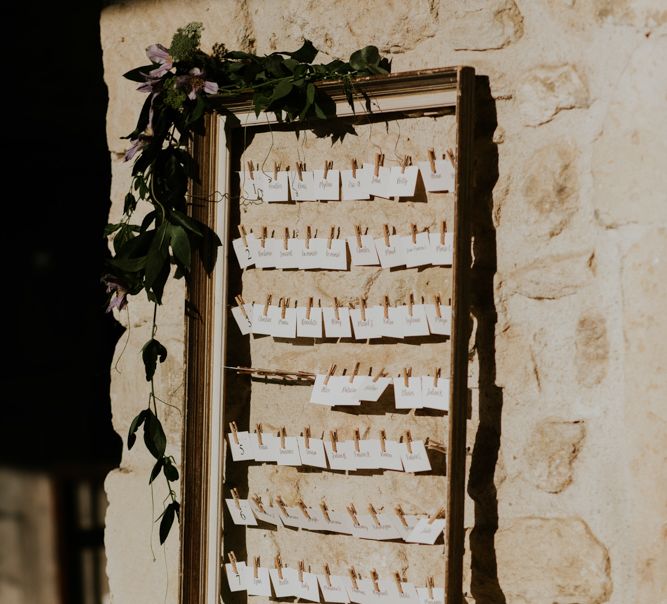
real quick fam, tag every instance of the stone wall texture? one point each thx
(568, 475)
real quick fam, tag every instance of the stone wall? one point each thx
(568, 467)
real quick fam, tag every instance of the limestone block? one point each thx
(552, 561)
(548, 89)
(551, 452)
(640, 13)
(481, 24)
(629, 156)
(592, 348)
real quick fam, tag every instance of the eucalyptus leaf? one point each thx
(154, 436)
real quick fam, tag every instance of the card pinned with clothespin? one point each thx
(264, 444)
(243, 315)
(257, 579)
(284, 325)
(264, 513)
(332, 586)
(336, 321)
(413, 454)
(380, 177)
(389, 452)
(264, 249)
(390, 249)
(340, 453)
(365, 454)
(417, 248)
(335, 522)
(439, 317)
(435, 391)
(335, 252)
(327, 182)
(307, 586)
(403, 178)
(283, 579)
(366, 320)
(288, 250)
(313, 250)
(355, 182)
(240, 510)
(311, 518)
(276, 186)
(414, 318)
(362, 248)
(381, 528)
(392, 320)
(309, 320)
(251, 183)
(323, 392)
(235, 572)
(408, 390)
(290, 516)
(359, 590)
(442, 246)
(374, 385)
(403, 591)
(437, 174)
(240, 444)
(264, 316)
(346, 387)
(288, 449)
(402, 522)
(431, 594)
(302, 184)
(244, 247)
(429, 528)
(311, 450)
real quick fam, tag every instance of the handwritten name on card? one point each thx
(264, 323)
(417, 252)
(284, 323)
(343, 457)
(356, 187)
(391, 255)
(241, 512)
(302, 189)
(236, 580)
(307, 588)
(364, 255)
(368, 326)
(267, 450)
(323, 392)
(313, 454)
(371, 390)
(438, 595)
(402, 183)
(289, 454)
(337, 327)
(259, 585)
(379, 185)
(270, 515)
(435, 396)
(335, 255)
(404, 529)
(392, 323)
(309, 324)
(439, 324)
(333, 588)
(284, 587)
(415, 460)
(243, 450)
(243, 320)
(312, 253)
(243, 252)
(327, 189)
(287, 258)
(276, 189)
(264, 255)
(408, 396)
(426, 531)
(359, 593)
(415, 323)
(406, 595)
(390, 458)
(442, 254)
(440, 180)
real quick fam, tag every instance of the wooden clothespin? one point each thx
(328, 165)
(357, 232)
(430, 584)
(304, 508)
(378, 375)
(276, 167)
(279, 566)
(241, 302)
(362, 308)
(336, 305)
(286, 238)
(283, 307)
(357, 439)
(436, 303)
(436, 375)
(333, 436)
(332, 234)
(437, 514)
(354, 168)
(431, 159)
(235, 496)
(385, 304)
(302, 569)
(411, 301)
(232, 561)
(255, 567)
(265, 233)
(355, 371)
(283, 436)
(332, 370)
(413, 232)
(258, 428)
(235, 432)
(401, 516)
(308, 236)
(309, 306)
(251, 170)
(267, 303)
(306, 437)
(451, 156)
(378, 163)
(325, 510)
(399, 584)
(327, 574)
(405, 162)
(408, 441)
(281, 505)
(385, 229)
(375, 578)
(383, 440)
(244, 235)
(443, 230)
(352, 511)
(407, 372)
(258, 502)
(374, 515)
(353, 578)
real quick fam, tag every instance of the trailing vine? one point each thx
(183, 84)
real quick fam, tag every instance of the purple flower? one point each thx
(137, 146)
(160, 55)
(194, 82)
(118, 298)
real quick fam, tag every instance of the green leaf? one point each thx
(282, 89)
(138, 74)
(170, 471)
(180, 245)
(158, 254)
(129, 265)
(365, 57)
(305, 54)
(186, 222)
(130, 204)
(154, 437)
(155, 472)
(110, 229)
(167, 520)
(134, 426)
(152, 351)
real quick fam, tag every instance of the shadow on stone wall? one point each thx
(481, 488)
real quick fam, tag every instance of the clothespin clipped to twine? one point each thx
(241, 303)
(233, 561)
(258, 502)
(443, 230)
(401, 516)
(328, 165)
(378, 375)
(413, 232)
(355, 371)
(411, 301)
(332, 370)
(325, 510)
(385, 229)
(407, 373)
(362, 308)
(258, 429)
(300, 167)
(308, 236)
(255, 567)
(283, 435)
(332, 234)
(302, 569)
(283, 307)
(430, 584)
(327, 574)
(375, 578)
(383, 440)
(357, 439)
(354, 168)
(436, 303)
(304, 508)
(251, 169)
(379, 161)
(267, 303)
(405, 162)
(281, 505)
(306, 437)
(431, 159)
(437, 514)
(333, 436)
(436, 375)
(357, 232)
(451, 156)
(353, 578)
(234, 431)
(408, 441)
(336, 312)
(264, 234)
(244, 235)
(235, 496)
(309, 306)
(399, 584)
(385, 304)
(286, 238)
(352, 511)
(276, 167)
(279, 566)
(374, 515)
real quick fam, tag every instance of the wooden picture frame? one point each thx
(421, 93)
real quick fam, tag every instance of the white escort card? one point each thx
(337, 522)
(337, 326)
(442, 252)
(435, 395)
(373, 387)
(380, 185)
(264, 255)
(287, 252)
(308, 322)
(333, 588)
(390, 457)
(252, 185)
(302, 188)
(342, 458)
(408, 396)
(417, 250)
(407, 594)
(366, 454)
(402, 181)
(415, 458)
(323, 392)
(307, 587)
(257, 581)
(243, 317)
(335, 255)
(283, 581)
(288, 455)
(327, 189)
(359, 591)
(313, 454)
(367, 325)
(264, 319)
(290, 516)
(242, 450)
(267, 513)
(241, 512)
(391, 255)
(312, 253)
(244, 253)
(440, 180)
(236, 579)
(364, 254)
(284, 322)
(414, 321)
(276, 187)
(441, 324)
(426, 531)
(436, 597)
(267, 450)
(356, 186)
(404, 523)
(392, 322)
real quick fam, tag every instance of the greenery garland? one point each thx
(183, 84)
